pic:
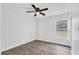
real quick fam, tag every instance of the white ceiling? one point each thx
(53, 8)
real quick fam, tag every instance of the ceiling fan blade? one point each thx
(30, 11)
(42, 14)
(34, 6)
(44, 9)
(35, 14)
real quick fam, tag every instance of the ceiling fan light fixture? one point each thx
(37, 13)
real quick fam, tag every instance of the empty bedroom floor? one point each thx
(38, 47)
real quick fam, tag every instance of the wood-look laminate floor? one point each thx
(38, 47)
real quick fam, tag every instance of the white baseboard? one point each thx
(75, 52)
(25, 43)
(15, 45)
(55, 42)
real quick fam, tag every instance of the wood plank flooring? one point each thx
(38, 47)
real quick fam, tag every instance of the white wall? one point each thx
(47, 29)
(0, 29)
(17, 27)
(75, 23)
(75, 36)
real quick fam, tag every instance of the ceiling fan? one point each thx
(37, 10)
